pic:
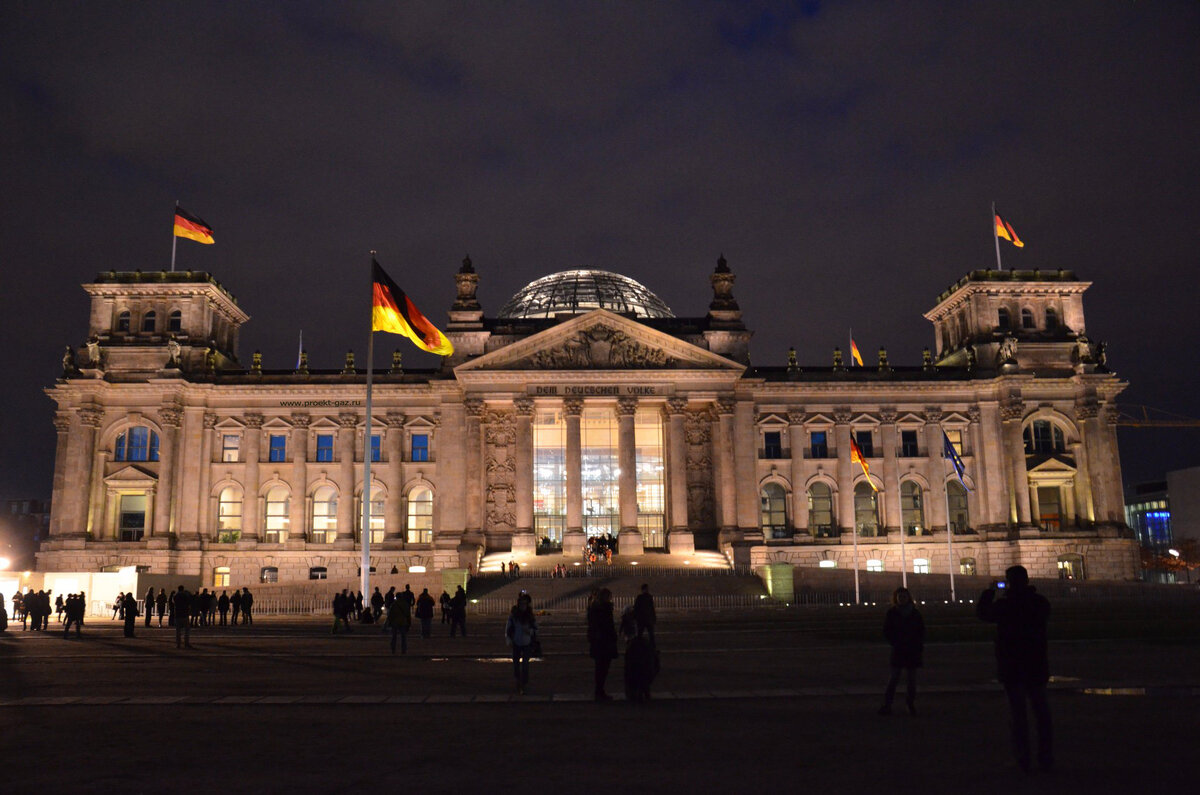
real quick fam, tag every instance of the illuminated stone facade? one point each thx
(546, 427)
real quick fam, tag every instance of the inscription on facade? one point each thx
(599, 390)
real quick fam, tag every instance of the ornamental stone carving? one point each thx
(796, 417)
(600, 347)
(573, 407)
(348, 419)
(500, 467)
(474, 408)
(172, 417)
(842, 415)
(697, 427)
(627, 406)
(210, 420)
(299, 420)
(1007, 353)
(91, 416)
(1086, 410)
(887, 415)
(254, 420)
(676, 405)
(933, 415)
(1012, 409)
(394, 419)
(524, 406)
(500, 428)
(1111, 415)
(62, 423)
(973, 414)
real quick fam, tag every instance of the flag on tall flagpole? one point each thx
(1005, 230)
(393, 312)
(855, 356)
(192, 227)
(856, 457)
(955, 459)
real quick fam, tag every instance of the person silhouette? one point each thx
(905, 632)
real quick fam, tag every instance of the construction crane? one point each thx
(1134, 416)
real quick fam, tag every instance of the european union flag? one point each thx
(949, 452)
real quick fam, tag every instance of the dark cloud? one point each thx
(843, 156)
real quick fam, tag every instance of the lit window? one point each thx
(866, 510)
(376, 454)
(773, 514)
(175, 321)
(1043, 437)
(909, 448)
(318, 573)
(132, 517)
(420, 447)
(268, 574)
(324, 447)
(230, 444)
(956, 502)
(874, 564)
(277, 450)
(420, 516)
(276, 515)
(818, 444)
(827, 564)
(376, 515)
(920, 565)
(967, 566)
(221, 577)
(149, 322)
(138, 443)
(324, 515)
(912, 511)
(772, 444)
(820, 510)
(956, 440)
(864, 441)
(229, 513)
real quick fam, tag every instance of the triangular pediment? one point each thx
(954, 418)
(864, 420)
(772, 418)
(1050, 464)
(818, 419)
(131, 476)
(600, 340)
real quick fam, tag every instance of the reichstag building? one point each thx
(587, 407)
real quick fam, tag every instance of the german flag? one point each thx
(856, 457)
(393, 312)
(191, 227)
(1005, 230)
(855, 356)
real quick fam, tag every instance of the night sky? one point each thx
(842, 156)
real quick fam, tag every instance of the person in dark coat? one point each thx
(181, 606)
(520, 632)
(425, 611)
(602, 639)
(148, 606)
(247, 606)
(444, 602)
(161, 604)
(399, 620)
(905, 632)
(376, 604)
(1020, 615)
(643, 613)
(223, 606)
(131, 612)
(458, 612)
(235, 602)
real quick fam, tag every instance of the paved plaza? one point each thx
(748, 700)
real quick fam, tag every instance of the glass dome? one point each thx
(578, 291)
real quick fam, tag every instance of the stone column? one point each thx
(992, 470)
(474, 484)
(297, 515)
(58, 499)
(161, 525)
(84, 470)
(677, 464)
(1012, 412)
(630, 538)
(345, 441)
(799, 492)
(393, 522)
(1112, 470)
(524, 542)
(251, 447)
(573, 538)
(726, 469)
(889, 439)
(1035, 506)
(1082, 490)
(203, 505)
(935, 501)
(845, 477)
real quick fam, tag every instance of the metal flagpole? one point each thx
(300, 350)
(996, 238)
(174, 237)
(950, 546)
(857, 594)
(903, 554)
(366, 512)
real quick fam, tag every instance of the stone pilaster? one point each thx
(1012, 412)
(631, 541)
(935, 500)
(524, 542)
(393, 444)
(170, 418)
(297, 514)
(889, 440)
(679, 537)
(252, 449)
(724, 470)
(58, 506)
(348, 422)
(845, 477)
(206, 465)
(474, 467)
(573, 537)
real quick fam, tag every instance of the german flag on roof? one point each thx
(393, 312)
(191, 227)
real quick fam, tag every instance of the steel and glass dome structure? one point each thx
(578, 291)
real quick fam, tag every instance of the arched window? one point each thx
(956, 500)
(420, 516)
(324, 515)
(123, 320)
(175, 320)
(275, 518)
(912, 508)
(1027, 319)
(229, 514)
(149, 322)
(1043, 437)
(376, 515)
(866, 510)
(138, 443)
(1070, 566)
(820, 511)
(1051, 320)
(773, 514)
(1002, 321)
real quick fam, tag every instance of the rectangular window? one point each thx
(772, 444)
(420, 447)
(132, 517)
(819, 445)
(278, 448)
(598, 442)
(549, 477)
(324, 447)
(956, 441)
(908, 444)
(920, 565)
(230, 444)
(221, 577)
(863, 439)
(376, 449)
(651, 478)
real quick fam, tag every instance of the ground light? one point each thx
(5, 563)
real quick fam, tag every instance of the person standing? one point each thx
(235, 602)
(3, 615)
(223, 606)
(119, 605)
(458, 612)
(444, 602)
(161, 604)
(602, 639)
(376, 604)
(1022, 657)
(643, 613)
(247, 606)
(905, 632)
(399, 620)
(130, 613)
(520, 632)
(181, 605)
(425, 611)
(148, 606)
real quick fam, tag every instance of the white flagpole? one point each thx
(857, 593)
(996, 238)
(949, 525)
(300, 350)
(366, 512)
(174, 237)
(903, 553)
